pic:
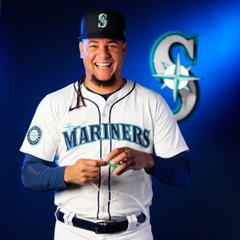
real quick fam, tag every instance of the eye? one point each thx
(113, 45)
(92, 46)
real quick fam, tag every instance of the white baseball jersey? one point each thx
(133, 116)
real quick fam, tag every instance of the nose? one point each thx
(104, 52)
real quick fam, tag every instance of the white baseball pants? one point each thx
(134, 232)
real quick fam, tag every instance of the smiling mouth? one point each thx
(103, 65)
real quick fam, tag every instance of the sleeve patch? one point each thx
(34, 135)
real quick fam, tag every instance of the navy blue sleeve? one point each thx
(174, 171)
(40, 175)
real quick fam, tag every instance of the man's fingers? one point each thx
(114, 153)
(120, 169)
(120, 158)
(101, 163)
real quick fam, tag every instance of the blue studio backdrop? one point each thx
(39, 54)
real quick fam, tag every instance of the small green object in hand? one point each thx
(114, 166)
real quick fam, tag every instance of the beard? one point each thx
(108, 82)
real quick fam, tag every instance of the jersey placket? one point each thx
(105, 171)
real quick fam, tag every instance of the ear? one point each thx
(81, 49)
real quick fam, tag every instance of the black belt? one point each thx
(100, 227)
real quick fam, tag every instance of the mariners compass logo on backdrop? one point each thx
(172, 69)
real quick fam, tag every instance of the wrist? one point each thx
(67, 175)
(149, 163)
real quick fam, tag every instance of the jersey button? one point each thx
(104, 209)
(105, 182)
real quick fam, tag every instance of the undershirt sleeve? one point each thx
(173, 171)
(41, 175)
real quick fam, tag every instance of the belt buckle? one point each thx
(101, 227)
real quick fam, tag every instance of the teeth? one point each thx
(103, 64)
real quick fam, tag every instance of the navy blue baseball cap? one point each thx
(103, 23)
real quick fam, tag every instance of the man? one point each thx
(109, 136)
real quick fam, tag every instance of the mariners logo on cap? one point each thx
(34, 135)
(102, 23)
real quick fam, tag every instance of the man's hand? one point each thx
(130, 159)
(83, 171)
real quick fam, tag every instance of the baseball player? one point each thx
(108, 136)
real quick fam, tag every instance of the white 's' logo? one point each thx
(172, 74)
(102, 23)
